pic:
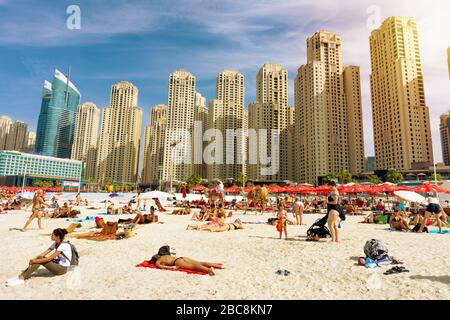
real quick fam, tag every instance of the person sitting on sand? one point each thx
(199, 216)
(110, 209)
(397, 221)
(142, 218)
(185, 211)
(172, 262)
(57, 262)
(63, 212)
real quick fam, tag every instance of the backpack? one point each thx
(375, 249)
(75, 255)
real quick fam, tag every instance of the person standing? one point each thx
(333, 213)
(281, 223)
(298, 208)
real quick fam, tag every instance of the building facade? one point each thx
(56, 123)
(153, 154)
(226, 114)
(270, 113)
(17, 138)
(401, 123)
(5, 126)
(178, 151)
(328, 112)
(444, 128)
(119, 139)
(14, 165)
(84, 146)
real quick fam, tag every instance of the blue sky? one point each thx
(143, 41)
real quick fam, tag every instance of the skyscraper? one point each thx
(178, 151)
(328, 112)
(17, 138)
(401, 123)
(31, 141)
(226, 114)
(153, 154)
(448, 60)
(5, 125)
(198, 145)
(270, 112)
(119, 139)
(56, 123)
(85, 138)
(444, 128)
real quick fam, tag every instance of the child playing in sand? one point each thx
(281, 224)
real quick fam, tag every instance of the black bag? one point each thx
(342, 213)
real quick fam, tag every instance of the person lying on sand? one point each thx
(57, 262)
(62, 212)
(237, 224)
(172, 262)
(184, 211)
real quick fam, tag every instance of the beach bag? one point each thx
(375, 249)
(75, 255)
(342, 213)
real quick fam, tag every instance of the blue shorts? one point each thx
(433, 208)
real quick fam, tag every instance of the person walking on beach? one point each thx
(38, 203)
(298, 208)
(57, 263)
(281, 223)
(333, 213)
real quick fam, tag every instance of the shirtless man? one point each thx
(171, 262)
(38, 204)
(297, 210)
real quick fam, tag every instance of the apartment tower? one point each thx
(119, 139)
(84, 146)
(401, 123)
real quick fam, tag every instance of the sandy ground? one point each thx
(318, 270)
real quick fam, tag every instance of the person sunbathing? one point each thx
(199, 216)
(172, 262)
(237, 224)
(184, 211)
(63, 212)
(142, 218)
(57, 262)
(398, 222)
(110, 209)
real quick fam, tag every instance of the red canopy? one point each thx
(323, 189)
(199, 188)
(426, 187)
(232, 189)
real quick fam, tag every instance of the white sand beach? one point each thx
(251, 256)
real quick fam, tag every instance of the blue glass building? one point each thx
(54, 135)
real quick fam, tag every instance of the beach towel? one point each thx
(147, 264)
(89, 218)
(442, 232)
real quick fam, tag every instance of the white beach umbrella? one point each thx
(154, 194)
(409, 196)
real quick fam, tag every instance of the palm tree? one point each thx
(194, 180)
(394, 176)
(374, 179)
(240, 178)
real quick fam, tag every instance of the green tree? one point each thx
(394, 176)
(193, 180)
(240, 179)
(344, 176)
(433, 178)
(374, 179)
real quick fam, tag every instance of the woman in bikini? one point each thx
(38, 204)
(333, 214)
(171, 262)
(398, 222)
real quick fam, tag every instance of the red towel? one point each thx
(147, 264)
